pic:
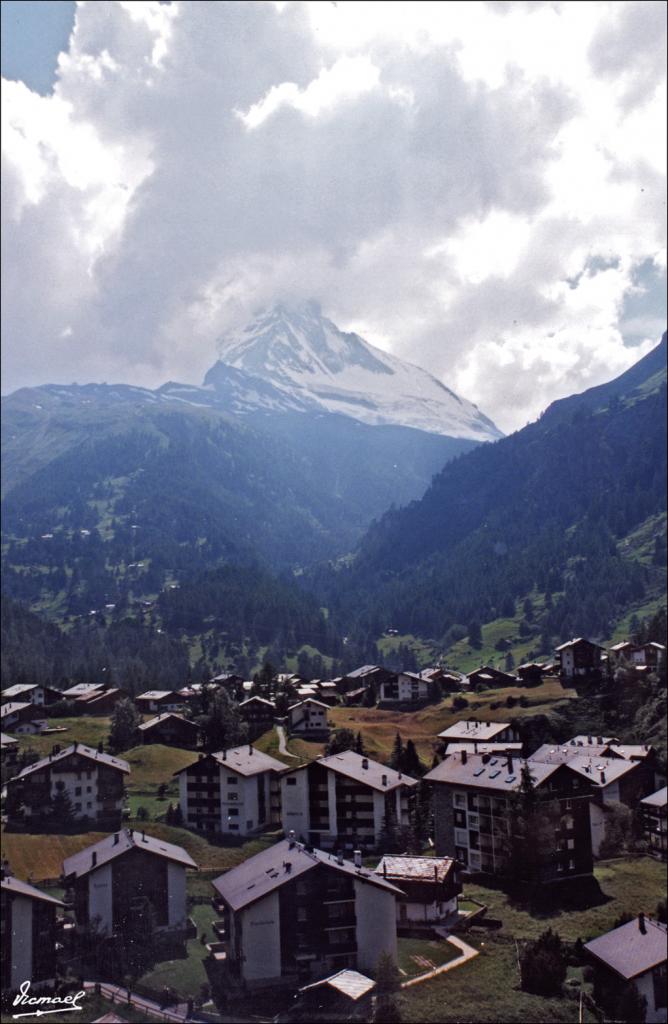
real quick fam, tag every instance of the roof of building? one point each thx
(245, 760)
(116, 845)
(364, 670)
(81, 689)
(7, 741)
(11, 884)
(257, 700)
(268, 870)
(578, 640)
(18, 689)
(488, 774)
(629, 950)
(469, 729)
(13, 708)
(415, 869)
(83, 751)
(658, 799)
(93, 698)
(156, 695)
(309, 700)
(110, 1018)
(623, 645)
(349, 983)
(363, 769)
(552, 753)
(600, 771)
(152, 722)
(414, 675)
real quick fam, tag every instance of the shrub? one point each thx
(543, 965)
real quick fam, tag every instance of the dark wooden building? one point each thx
(171, 729)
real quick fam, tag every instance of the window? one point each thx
(89, 789)
(77, 807)
(571, 865)
(473, 820)
(249, 824)
(571, 844)
(302, 914)
(460, 819)
(459, 800)
(292, 782)
(461, 837)
(560, 867)
(232, 780)
(89, 805)
(77, 790)
(233, 812)
(232, 796)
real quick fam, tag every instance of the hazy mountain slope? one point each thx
(541, 509)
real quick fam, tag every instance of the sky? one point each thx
(477, 187)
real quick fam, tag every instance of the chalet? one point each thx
(365, 677)
(80, 690)
(632, 954)
(28, 929)
(92, 781)
(581, 659)
(231, 683)
(102, 702)
(170, 729)
(471, 732)
(655, 823)
(158, 700)
(128, 876)
(345, 800)
(9, 746)
(346, 995)
(448, 681)
(531, 672)
(258, 714)
(613, 780)
(430, 887)
(234, 791)
(473, 813)
(327, 692)
(403, 688)
(308, 719)
(35, 694)
(294, 912)
(353, 698)
(488, 677)
(19, 717)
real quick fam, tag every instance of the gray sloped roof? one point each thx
(658, 799)
(163, 718)
(14, 885)
(491, 773)
(349, 983)
(629, 951)
(245, 760)
(114, 846)
(267, 871)
(83, 751)
(352, 765)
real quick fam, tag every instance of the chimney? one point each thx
(509, 762)
(365, 763)
(224, 755)
(339, 857)
(250, 748)
(143, 837)
(291, 839)
(486, 758)
(116, 838)
(93, 858)
(357, 858)
(464, 756)
(384, 780)
(602, 776)
(641, 923)
(384, 868)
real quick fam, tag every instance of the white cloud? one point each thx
(473, 185)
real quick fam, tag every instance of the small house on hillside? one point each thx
(472, 732)
(170, 729)
(308, 719)
(21, 717)
(34, 693)
(581, 659)
(127, 877)
(404, 688)
(258, 714)
(29, 934)
(489, 678)
(158, 700)
(430, 887)
(633, 954)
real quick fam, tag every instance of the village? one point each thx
(319, 877)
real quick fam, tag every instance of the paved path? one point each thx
(119, 995)
(282, 749)
(468, 952)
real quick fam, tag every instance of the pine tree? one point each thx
(61, 805)
(125, 722)
(397, 754)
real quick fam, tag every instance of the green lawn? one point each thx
(417, 956)
(484, 990)
(625, 886)
(85, 729)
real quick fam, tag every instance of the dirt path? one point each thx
(282, 749)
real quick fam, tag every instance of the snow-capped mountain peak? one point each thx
(315, 365)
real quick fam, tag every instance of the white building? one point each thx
(344, 800)
(234, 791)
(633, 954)
(116, 880)
(430, 887)
(294, 912)
(404, 688)
(308, 719)
(28, 930)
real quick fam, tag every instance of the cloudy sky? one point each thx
(477, 187)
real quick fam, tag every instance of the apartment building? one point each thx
(404, 688)
(655, 822)
(343, 801)
(473, 812)
(128, 876)
(92, 781)
(234, 791)
(28, 932)
(308, 719)
(294, 912)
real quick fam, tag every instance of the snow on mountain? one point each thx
(310, 364)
